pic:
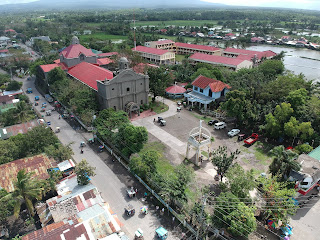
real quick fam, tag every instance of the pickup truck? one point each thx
(250, 140)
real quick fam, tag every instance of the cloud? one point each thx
(302, 4)
(2, 2)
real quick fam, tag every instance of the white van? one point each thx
(220, 125)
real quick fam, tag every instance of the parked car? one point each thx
(29, 90)
(211, 122)
(220, 125)
(233, 132)
(48, 98)
(252, 139)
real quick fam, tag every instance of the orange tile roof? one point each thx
(215, 85)
(104, 61)
(37, 164)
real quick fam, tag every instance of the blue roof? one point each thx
(315, 153)
(161, 231)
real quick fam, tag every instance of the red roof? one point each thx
(48, 67)
(229, 34)
(197, 47)
(141, 67)
(216, 59)
(175, 89)
(241, 51)
(74, 50)
(108, 54)
(10, 30)
(6, 98)
(285, 37)
(104, 61)
(4, 51)
(164, 41)
(215, 85)
(150, 50)
(89, 74)
(250, 54)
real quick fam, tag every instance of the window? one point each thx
(201, 90)
(81, 57)
(112, 88)
(140, 83)
(141, 102)
(196, 88)
(128, 89)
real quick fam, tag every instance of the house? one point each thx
(6, 99)
(66, 167)
(14, 130)
(160, 44)
(286, 38)
(257, 40)
(163, 31)
(10, 31)
(38, 164)
(42, 38)
(76, 33)
(87, 32)
(301, 44)
(175, 91)
(228, 62)
(186, 48)
(158, 56)
(247, 54)
(108, 54)
(205, 91)
(78, 212)
(4, 41)
(200, 35)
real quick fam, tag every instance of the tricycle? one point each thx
(82, 144)
(57, 129)
(129, 210)
(144, 210)
(161, 233)
(36, 98)
(138, 235)
(36, 103)
(131, 193)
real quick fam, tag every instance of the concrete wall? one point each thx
(127, 86)
(245, 64)
(74, 61)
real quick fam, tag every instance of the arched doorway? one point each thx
(132, 107)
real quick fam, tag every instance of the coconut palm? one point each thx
(22, 110)
(26, 189)
(283, 162)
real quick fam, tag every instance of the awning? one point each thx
(197, 97)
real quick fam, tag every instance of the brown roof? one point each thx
(215, 85)
(21, 128)
(6, 98)
(37, 164)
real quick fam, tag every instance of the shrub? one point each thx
(303, 148)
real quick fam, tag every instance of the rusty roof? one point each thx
(37, 164)
(21, 128)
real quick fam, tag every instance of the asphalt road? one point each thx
(112, 185)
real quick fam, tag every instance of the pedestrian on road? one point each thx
(81, 151)
(154, 120)
(157, 208)
(136, 190)
(173, 218)
(162, 211)
(59, 116)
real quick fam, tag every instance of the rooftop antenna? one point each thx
(134, 31)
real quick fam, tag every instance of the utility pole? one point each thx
(204, 200)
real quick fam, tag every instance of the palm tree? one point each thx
(284, 162)
(22, 111)
(26, 189)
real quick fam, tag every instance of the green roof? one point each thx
(315, 153)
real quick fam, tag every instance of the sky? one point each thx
(301, 4)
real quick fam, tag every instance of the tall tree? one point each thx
(56, 74)
(26, 189)
(222, 160)
(284, 161)
(159, 79)
(84, 171)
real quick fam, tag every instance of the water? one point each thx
(297, 60)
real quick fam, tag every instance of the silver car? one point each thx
(233, 132)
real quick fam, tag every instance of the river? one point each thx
(297, 60)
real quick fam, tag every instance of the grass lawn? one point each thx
(261, 153)
(102, 37)
(204, 118)
(197, 23)
(158, 107)
(179, 57)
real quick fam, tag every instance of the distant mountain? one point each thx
(107, 4)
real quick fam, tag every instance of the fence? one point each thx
(116, 153)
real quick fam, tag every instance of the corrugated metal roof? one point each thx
(315, 153)
(37, 164)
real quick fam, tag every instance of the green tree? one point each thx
(159, 78)
(14, 85)
(239, 181)
(291, 128)
(306, 130)
(9, 151)
(130, 139)
(145, 163)
(6, 206)
(84, 171)
(238, 218)
(83, 100)
(222, 160)
(26, 189)
(279, 199)
(283, 112)
(272, 126)
(284, 161)
(59, 152)
(109, 121)
(56, 74)
(271, 68)
(33, 68)
(303, 148)
(298, 97)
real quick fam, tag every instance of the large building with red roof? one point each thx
(186, 48)
(232, 63)
(250, 55)
(164, 44)
(205, 91)
(157, 56)
(81, 64)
